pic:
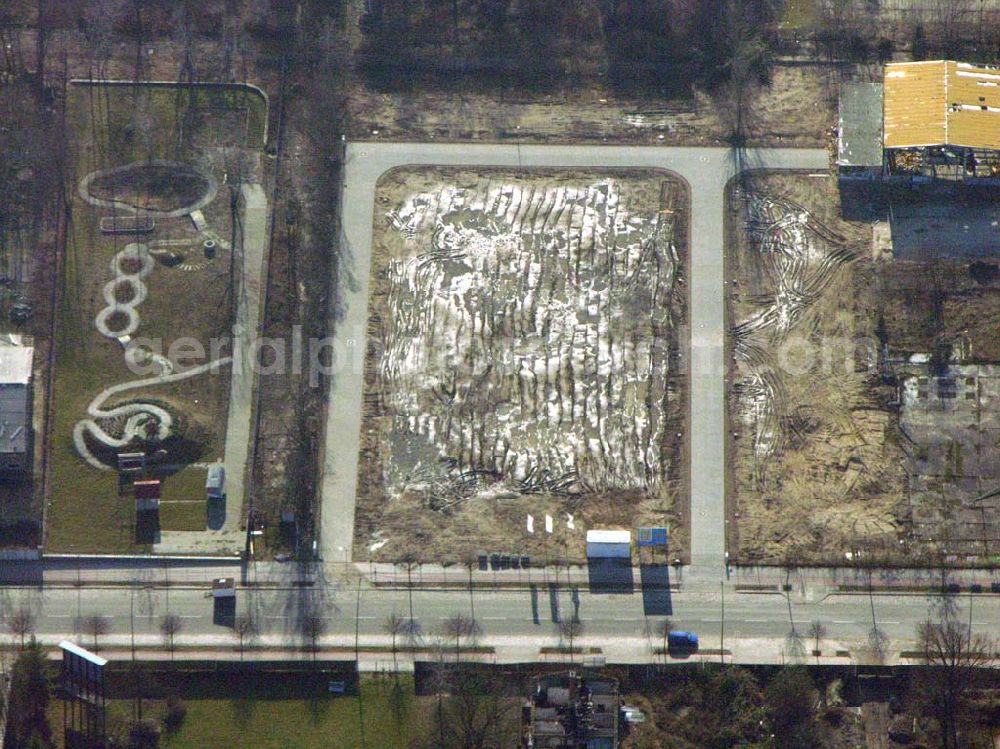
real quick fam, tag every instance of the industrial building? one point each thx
(16, 356)
(931, 120)
(572, 711)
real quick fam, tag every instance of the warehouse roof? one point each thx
(941, 102)
(860, 125)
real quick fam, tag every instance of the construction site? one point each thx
(864, 399)
(524, 359)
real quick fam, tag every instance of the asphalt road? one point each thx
(515, 623)
(706, 170)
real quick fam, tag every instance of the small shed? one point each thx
(224, 587)
(147, 495)
(609, 544)
(15, 404)
(147, 488)
(215, 482)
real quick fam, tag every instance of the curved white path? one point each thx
(135, 414)
(134, 418)
(707, 170)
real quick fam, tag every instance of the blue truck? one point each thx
(682, 642)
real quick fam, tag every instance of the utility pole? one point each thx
(357, 626)
(131, 617)
(722, 627)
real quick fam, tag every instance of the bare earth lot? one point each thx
(795, 110)
(524, 359)
(865, 404)
(815, 463)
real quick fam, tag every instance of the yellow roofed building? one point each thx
(931, 119)
(941, 103)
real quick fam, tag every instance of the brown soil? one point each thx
(130, 265)
(796, 110)
(124, 293)
(117, 321)
(150, 186)
(829, 476)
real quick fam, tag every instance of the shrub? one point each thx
(174, 717)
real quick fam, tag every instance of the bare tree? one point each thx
(878, 643)
(394, 626)
(170, 626)
(817, 631)
(951, 653)
(245, 629)
(569, 630)
(409, 562)
(663, 629)
(477, 712)
(413, 632)
(22, 623)
(457, 627)
(96, 625)
(313, 628)
(471, 562)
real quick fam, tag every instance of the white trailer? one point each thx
(603, 544)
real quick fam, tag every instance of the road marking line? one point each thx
(58, 616)
(755, 621)
(494, 618)
(836, 621)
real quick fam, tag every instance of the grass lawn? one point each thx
(800, 14)
(390, 721)
(112, 126)
(392, 718)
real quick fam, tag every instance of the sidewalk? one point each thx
(375, 652)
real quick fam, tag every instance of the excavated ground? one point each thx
(523, 359)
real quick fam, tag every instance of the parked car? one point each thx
(682, 642)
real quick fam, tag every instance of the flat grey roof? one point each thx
(14, 418)
(860, 125)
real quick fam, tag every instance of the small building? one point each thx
(929, 120)
(570, 711)
(224, 587)
(609, 544)
(147, 495)
(859, 133)
(15, 404)
(215, 482)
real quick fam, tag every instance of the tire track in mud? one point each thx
(798, 257)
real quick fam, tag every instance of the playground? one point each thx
(150, 286)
